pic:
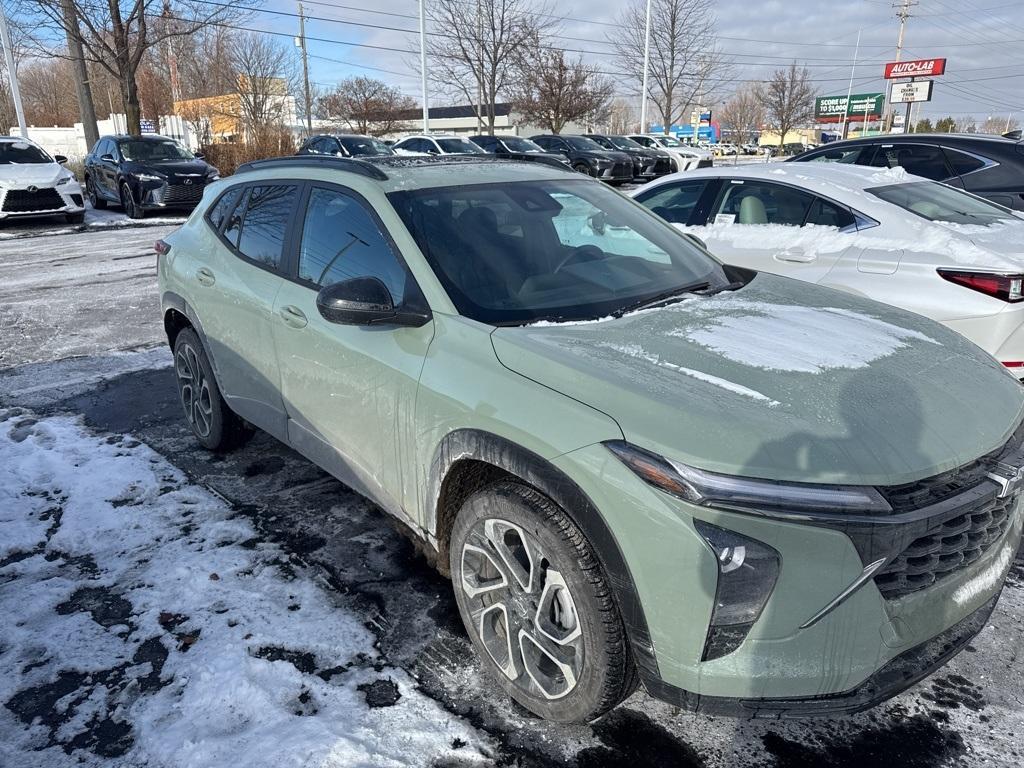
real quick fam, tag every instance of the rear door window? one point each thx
(919, 159)
(265, 222)
(845, 155)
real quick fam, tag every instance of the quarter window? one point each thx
(266, 220)
(825, 213)
(340, 240)
(962, 163)
(227, 202)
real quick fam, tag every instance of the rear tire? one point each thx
(538, 606)
(211, 421)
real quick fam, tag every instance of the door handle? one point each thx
(205, 276)
(293, 316)
(795, 254)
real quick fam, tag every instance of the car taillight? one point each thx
(1006, 287)
(162, 247)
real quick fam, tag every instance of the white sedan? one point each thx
(34, 184)
(883, 234)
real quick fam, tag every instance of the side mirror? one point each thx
(60, 159)
(696, 241)
(107, 158)
(199, 155)
(364, 301)
(433, 152)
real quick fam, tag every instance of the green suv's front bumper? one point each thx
(865, 650)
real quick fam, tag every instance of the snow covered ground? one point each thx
(111, 218)
(119, 647)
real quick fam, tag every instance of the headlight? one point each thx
(148, 177)
(64, 180)
(747, 572)
(213, 174)
(747, 494)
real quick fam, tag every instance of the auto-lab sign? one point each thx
(915, 68)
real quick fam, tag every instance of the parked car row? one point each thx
(638, 464)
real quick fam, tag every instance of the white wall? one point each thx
(70, 141)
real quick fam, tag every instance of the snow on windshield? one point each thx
(782, 337)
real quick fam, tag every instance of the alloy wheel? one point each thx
(90, 188)
(127, 201)
(194, 390)
(522, 609)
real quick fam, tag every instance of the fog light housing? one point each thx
(747, 573)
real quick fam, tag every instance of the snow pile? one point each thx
(894, 175)
(782, 337)
(143, 620)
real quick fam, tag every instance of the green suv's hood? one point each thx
(782, 380)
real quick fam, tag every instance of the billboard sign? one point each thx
(830, 109)
(915, 68)
(908, 93)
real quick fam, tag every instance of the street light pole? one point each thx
(12, 75)
(423, 67)
(647, 61)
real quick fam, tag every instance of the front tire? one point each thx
(582, 168)
(209, 418)
(131, 208)
(537, 605)
(97, 202)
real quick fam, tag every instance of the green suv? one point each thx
(752, 495)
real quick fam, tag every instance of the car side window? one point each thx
(963, 163)
(825, 213)
(341, 240)
(757, 202)
(846, 155)
(225, 205)
(919, 159)
(675, 202)
(265, 222)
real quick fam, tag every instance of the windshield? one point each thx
(515, 253)
(21, 153)
(937, 202)
(146, 151)
(459, 147)
(365, 146)
(623, 143)
(516, 144)
(582, 143)
(669, 141)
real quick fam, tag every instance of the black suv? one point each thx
(587, 156)
(518, 148)
(344, 145)
(144, 173)
(647, 163)
(988, 166)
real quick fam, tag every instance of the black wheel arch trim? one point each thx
(511, 458)
(173, 301)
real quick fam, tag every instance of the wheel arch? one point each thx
(178, 314)
(469, 459)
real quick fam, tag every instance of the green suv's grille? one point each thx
(957, 543)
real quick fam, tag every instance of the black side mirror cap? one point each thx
(60, 159)
(107, 158)
(364, 301)
(199, 155)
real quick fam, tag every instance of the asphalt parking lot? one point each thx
(80, 335)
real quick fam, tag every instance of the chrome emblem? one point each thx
(1009, 483)
(32, 188)
(186, 181)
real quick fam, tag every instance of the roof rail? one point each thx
(353, 165)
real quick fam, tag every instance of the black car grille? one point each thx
(964, 535)
(24, 201)
(183, 193)
(662, 166)
(619, 170)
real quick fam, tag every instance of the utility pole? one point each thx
(305, 71)
(902, 14)
(849, 89)
(480, 72)
(647, 64)
(12, 74)
(86, 107)
(423, 67)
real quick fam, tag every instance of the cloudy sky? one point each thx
(983, 41)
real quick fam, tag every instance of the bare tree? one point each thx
(553, 90)
(474, 55)
(265, 73)
(48, 92)
(116, 34)
(621, 117)
(686, 64)
(743, 115)
(365, 105)
(789, 99)
(999, 124)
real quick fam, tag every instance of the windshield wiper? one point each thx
(661, 298)
(733, 286)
